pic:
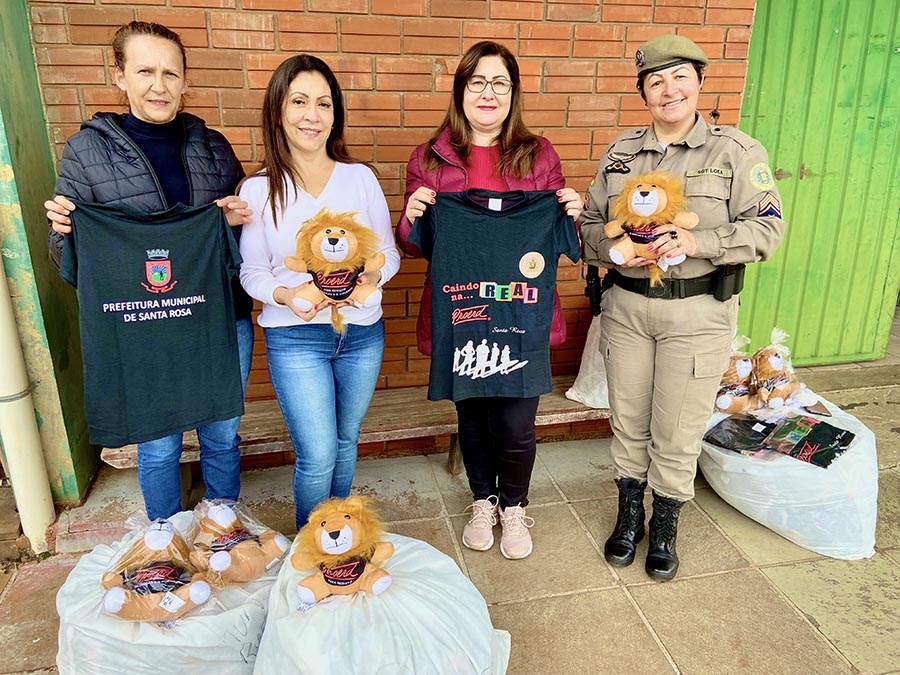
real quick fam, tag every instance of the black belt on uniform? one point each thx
(670, 288)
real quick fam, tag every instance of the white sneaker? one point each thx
(478, 534)
(515, 542)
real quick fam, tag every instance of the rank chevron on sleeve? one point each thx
(769, 206)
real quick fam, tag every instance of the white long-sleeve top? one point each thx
(352, 187)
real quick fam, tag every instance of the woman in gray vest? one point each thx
(666, 347)
(148, 160)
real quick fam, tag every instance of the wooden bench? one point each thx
(394, 415)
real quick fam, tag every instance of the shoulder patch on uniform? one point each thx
(761, 177)
(617, 167)
(710, 171)
(769, 206)
(622, 156)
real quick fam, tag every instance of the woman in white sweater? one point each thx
(323, 378)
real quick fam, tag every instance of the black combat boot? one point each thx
(662, 561)
(619, 548)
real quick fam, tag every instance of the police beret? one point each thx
(665, 51)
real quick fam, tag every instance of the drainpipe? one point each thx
(19, 432)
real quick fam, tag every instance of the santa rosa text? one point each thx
(133, 311)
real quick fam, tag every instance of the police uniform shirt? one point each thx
(727, 181)
(157, 321)
(493, 271)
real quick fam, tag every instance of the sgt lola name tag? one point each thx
(710, 171)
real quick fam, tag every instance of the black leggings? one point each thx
(496, 438)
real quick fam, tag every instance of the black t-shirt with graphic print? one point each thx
(493, 270)
(157, 319)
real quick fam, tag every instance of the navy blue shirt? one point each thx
(162, 144)
(493, 271)
(157, 323)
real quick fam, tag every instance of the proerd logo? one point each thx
(158, 269)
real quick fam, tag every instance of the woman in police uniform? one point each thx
(666, 348)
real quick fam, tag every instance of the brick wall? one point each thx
(395, 60)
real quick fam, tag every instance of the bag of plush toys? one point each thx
(764, 380)
(141, 605)
(827, 501)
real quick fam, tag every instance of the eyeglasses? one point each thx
(500, 87)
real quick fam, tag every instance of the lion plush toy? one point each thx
(227, 551)
(343, 540)
(152, 580)
(737, 390)
(336, 249)
(648, 201)
(773, 374)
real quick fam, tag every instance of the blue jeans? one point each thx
(220, 458)
(324, 382)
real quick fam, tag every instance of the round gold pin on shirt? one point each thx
(531, 265)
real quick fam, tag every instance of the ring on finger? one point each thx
(673, 235)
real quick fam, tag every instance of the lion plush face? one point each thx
(339, 529)
(330, 241)
(649, 198)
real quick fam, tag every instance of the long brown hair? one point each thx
(277, 164)
(518, 146)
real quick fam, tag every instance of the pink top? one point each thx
(482, 168)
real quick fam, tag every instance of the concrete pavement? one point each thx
(745, 601)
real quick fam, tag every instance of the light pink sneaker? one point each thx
(478, 534)
(515, 542)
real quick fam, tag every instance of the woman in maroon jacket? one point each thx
(483, 143)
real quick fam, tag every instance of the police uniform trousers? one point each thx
(664, 361)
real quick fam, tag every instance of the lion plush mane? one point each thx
(335, 248)
(676, 201)
(354, 532)
(362, 241)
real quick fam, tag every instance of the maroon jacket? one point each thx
(451, 176)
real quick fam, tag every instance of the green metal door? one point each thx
(823, 96)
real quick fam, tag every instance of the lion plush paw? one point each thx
(307, 597)
(617, 256)
(382, 584)
(113, 600)
(200, 592)
(302, 305)
(220, 561)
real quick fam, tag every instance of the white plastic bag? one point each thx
(218, 638)
(430, 621)
(830, 511)
(590, 386)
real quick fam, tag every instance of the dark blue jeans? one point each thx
(220, 458)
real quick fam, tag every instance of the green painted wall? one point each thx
(46, 307)
(823, 96)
